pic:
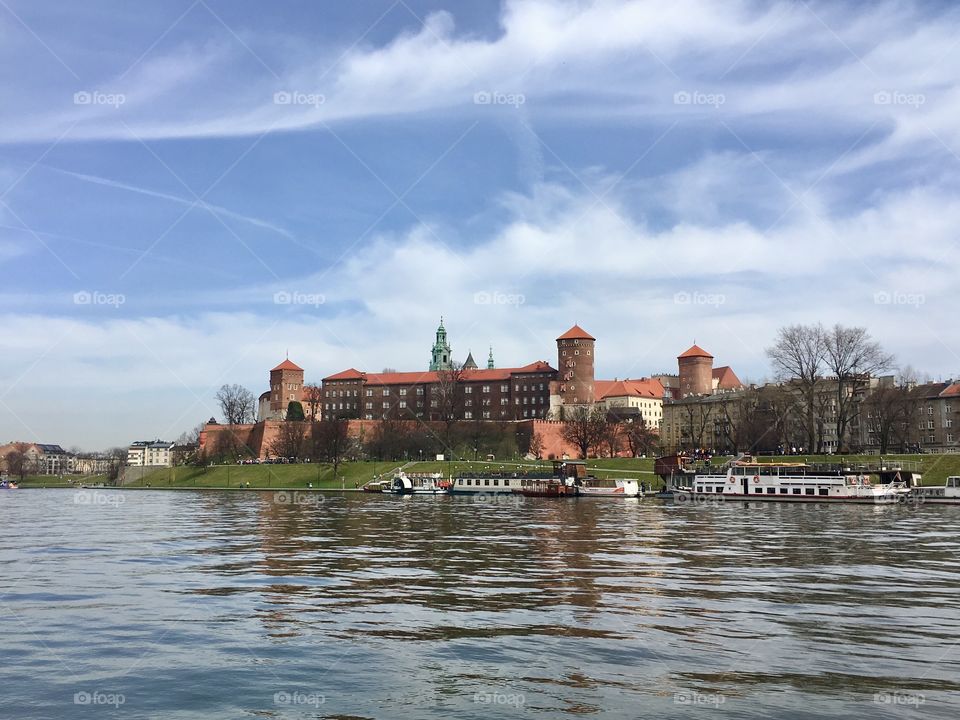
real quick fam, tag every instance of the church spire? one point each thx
(440, 357)
(490, 359)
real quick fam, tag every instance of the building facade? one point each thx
(157, 453)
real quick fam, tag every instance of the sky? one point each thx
(191, 190)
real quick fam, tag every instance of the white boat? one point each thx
(611, 488)
(948, 494)
(421, 484)
(794, 482)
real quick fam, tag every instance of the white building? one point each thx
(150, 452)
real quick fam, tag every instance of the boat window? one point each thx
(796, 491)
(809, 491)
(783, 491)
(486, 481)
(699, 488)
(496, 481)
(824, 491)
(771, 491)
(758, 491)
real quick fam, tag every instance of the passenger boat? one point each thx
(486, 483)
(425, 484)
(797, 482)
(9, 485)
(948, 494)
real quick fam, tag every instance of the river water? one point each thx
(182, 604)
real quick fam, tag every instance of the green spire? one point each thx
(490, 359)
(440, 357)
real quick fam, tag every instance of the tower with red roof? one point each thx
(576, 373)
(696, 372)
(286, 385)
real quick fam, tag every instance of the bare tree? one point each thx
(290, 441)
(696, 418)
(450, 396)
(313, 399)
(237, 403)
(18, 460)
(887, 411)
(584, 428)
(799, 355)
(536, 445)
(853, 357)
(332, 440)
(192, 436)
(612, 436)
(641, 438)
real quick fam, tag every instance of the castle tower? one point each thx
(696, 372)
(440, 357)
(469, 363)
(286, 384)
(575, 362)
(490, 365)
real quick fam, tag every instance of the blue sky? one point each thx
(658, 172)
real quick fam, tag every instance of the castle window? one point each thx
(403, 403)
(433, 403)
(468, 415)
(486, 388)
(419, 391)
(468, 390)
(369, 393)
(369, 406)
(386, 406)
(506, 388)
(403, 391)
(386, 392)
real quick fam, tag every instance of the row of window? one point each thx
(769, 490)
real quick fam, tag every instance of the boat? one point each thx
(419, 484)
(675, 471)
(9, 485)
(947, 494)
(377, 486)
(611, 488)
(552, 487)
(747, 480)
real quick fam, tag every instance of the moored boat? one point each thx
(946, 494)
(611, 488)
(9, 485)
(797, 482)
(554, 487)
(425, 484)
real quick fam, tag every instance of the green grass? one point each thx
(55, 481)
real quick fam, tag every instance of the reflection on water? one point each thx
(233, 604)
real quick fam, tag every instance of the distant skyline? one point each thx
(191, 189)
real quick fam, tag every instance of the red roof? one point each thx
(695, 351)
(351, 374)
(430, 376)
(643, 387)
(726, 378)
(576, 333)
(952, 391)
(288, 365)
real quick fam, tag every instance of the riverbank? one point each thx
(352, 475)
